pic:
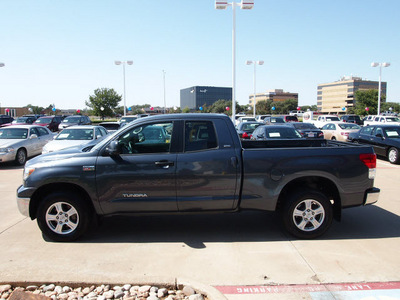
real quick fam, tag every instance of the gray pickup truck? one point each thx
(196, 163)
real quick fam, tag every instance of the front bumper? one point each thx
(371, 196)
(9, 156)
(24, 199)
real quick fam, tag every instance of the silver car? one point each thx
(19, 142)
(76, 136)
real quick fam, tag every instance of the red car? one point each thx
(51, 122)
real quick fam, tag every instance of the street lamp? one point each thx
(2, 65)
(165, 103)
(255, 62)
(119, 62)
(244, 4)
(380, 65)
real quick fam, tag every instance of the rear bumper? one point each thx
(371, 196)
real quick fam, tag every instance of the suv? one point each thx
(4, 119)
(51, 122)
(74, 120)
(352, 119)
(289, 118)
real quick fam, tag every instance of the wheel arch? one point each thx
(322, 184)
(43, 191)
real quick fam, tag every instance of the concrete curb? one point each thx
(166, 282)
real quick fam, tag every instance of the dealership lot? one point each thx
(218, 250)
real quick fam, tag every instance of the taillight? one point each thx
(369, 160)
(345, 133)
(321, 134)
(245, 135)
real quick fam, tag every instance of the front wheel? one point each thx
(63, 217)
(20, 157)
(307, 214)
(393, 155)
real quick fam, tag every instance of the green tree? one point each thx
(367, 98)
(103, 102)
(186, 110)
(37, 110)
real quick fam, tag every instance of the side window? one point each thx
(103, 131)
(366, 130)
(148, 138)
(200, 135)
(98, 133)
(377, 131)
(34, 131)
(42, 131)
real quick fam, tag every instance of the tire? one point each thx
(20, 157)
(307, 214)
(63, 217)
(333, 138)
(393, 155)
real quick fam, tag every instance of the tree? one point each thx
(367, 98)
(103, 102)
(37, 110)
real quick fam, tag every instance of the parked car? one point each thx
(289, 118)
(296, 113)
(74, 120)
(245, 129)
(22, 121)
(385, 120)
(274, 120)
(203, 167)
(385, 139)
(5, 119)
(307, 130)
(19, 142)
(51, 122)
(339, 131)
(352, 119)
(268, 132)
(111, 126)
(368, 119)
(324, 119)
(260, 118)
(244, 119)
(74, 136)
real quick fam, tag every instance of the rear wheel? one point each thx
(20, 157)
(393, 155)
(63, 216)
(333, 138)
(307, 214)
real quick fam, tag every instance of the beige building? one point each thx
(334, 96)
(277, 95)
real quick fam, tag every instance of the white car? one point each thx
(379, 120)
(76, 136)
(325, 119)
(19, 142)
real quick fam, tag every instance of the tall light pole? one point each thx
(119, 62)
(244, 4)
(255, 62)
(165, 103)
(2, 64)
(380, 65)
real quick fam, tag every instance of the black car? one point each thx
(245, 129)
(385, 139)
(4, 119)
(274, 120)
(307, 130)
(273, 132)
(352, 119)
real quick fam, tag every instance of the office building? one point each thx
(277, 95)
(199, 96)
(334, 96)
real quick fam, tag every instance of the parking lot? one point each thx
(218, 250)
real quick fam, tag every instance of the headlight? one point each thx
(7, 150)
(28, 172)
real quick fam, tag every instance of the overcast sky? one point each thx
(60, 51)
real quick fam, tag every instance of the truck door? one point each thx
(208, 167)
(142, 178)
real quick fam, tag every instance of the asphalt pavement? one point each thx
(243, 256)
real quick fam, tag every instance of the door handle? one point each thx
(165, 164)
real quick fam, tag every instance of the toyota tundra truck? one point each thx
(195, 163)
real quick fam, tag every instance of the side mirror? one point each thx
(34, 136)
(113, 149)
(380, 136)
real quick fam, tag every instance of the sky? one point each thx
(60, 51)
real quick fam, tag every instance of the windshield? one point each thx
(127, 119)
(304, 126)
(20, 120)
(330, 119)
(13, 133)
(250, 126)
(349, 126)
(43, 120)
(393, 119)
(71, 120)
(75, 134)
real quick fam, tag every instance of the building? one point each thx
(199, 96)
(277, 95)
(334, 96)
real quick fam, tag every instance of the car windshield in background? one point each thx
(349, 126)
(13, 133)
(127, 119)
(75, 134)
(299, 125)
(392, 132)
(250, 126)
(330, 119)
(283, 133)
(71, 120)
(394, 119)
(20, 120)
(43, 120)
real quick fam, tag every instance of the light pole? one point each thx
(119, 62)
(380, 65)
(165, 103)
(2, 64)
(255, 62)
(244, 4)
